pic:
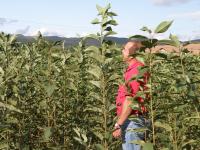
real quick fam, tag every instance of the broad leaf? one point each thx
(163, 26)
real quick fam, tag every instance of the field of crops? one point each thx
(57, 98)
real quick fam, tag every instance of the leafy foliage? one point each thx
(57, 98)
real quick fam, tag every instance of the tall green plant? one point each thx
(169, 87)
(102, 74)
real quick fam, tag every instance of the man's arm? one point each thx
(126, 110)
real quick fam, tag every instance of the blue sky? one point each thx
(70, 18)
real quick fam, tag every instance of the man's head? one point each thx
(130, 48)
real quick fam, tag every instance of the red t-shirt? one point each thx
(134, 85)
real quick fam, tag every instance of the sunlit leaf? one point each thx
(163, 26)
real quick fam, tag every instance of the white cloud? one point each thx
(162, 36)
(193, 35)
(47, 32)
(169, 2)
(187, 36)
(4, 21)
(23, 31)
(195, 15)
(182, 37)
(58, 32)
(196, 34)
(82, 34)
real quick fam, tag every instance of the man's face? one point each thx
(129, 49)
(125, 53)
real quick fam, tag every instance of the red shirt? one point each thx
(134, 85)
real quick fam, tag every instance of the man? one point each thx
(123, 102)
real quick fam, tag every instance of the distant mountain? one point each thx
(69, 41)
(196, 41)
(75, 41)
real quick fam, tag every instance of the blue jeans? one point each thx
(128, 136)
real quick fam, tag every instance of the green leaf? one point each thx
(71, 86)
(166, 126)
(26, 147)
(12, 120)
(95, 21)
(107, 7)
(46, 134)
(99, 147)
(109, 28)
(139, 142)
(110, 33)
(85, 139)
(99, 135)
(43, 104)
(4, 146)
(1, 72)
(141, 59)
(92, 48)
(96, 83)
(114, 77)
(110, 22)
(95, 96)
(50, 88)
(111, 14)
(96, 71)
(194, 117)
(138, 38)
(145, 146)
(138, 130)
(187, 79)
(113, 22)
(12, 39)
(93, 109)
(112, 107)
(146, 29)
(108, 61)
(163, 26)
(100, 9)
(175, 39)
(148, 146)
(57, 43)
(98, 57)
(10, 107)
(166, 42)
(149, 43)
(80, 141)
(162, 55)
(92, 36)
(188, 142)
(77, 131)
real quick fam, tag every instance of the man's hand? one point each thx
(117, 133)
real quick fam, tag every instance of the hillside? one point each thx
(74, 40)
(69, 41)
(194, 46)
